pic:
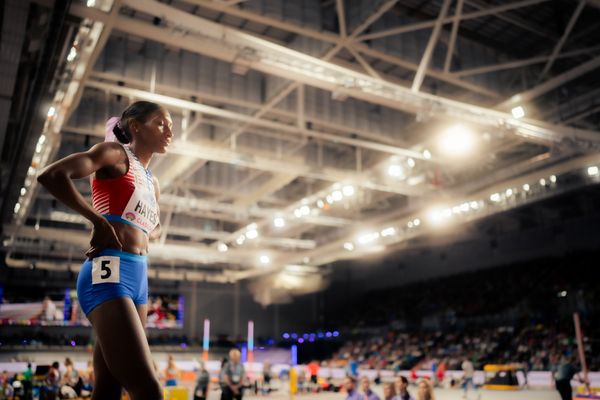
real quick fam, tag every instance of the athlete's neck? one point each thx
(144, 155)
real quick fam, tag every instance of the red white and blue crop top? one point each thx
(129, 199)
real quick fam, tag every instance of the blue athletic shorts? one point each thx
(112, 274)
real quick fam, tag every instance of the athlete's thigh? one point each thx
(106, 386)
(123, 340)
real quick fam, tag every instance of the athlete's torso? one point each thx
(129, 203)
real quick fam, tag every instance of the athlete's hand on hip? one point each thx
(104, 236)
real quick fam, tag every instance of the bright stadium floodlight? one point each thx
(279, 222)
(388, 231)
(264, 259)
(348, 190)
(518, 112)
(366, 238)
(438, 216)
(337, 195)
(457, 141)
(222, 247)
(395, 171)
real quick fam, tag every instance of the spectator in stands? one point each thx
(365, 386)
(388, 391)
(401, 386)
(352, 368)
(89, 377)
(28, 381)
(71, 377)
(202, 383)
(6, 389)
(52, 381)
(171, 372)
(350, 386)
(313, 370)
(425, 390)
(48, 312)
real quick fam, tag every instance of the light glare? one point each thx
(222, 247)
(457, 141)
(388, 232)
(518, 112)
(279, 222)
(264, 259)
(395, 171)
(368, 237)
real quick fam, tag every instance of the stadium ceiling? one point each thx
(313, 131)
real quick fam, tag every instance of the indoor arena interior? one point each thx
(299, 199)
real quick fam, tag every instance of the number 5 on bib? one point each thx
(105, 269)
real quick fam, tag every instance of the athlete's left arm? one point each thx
(155, 234)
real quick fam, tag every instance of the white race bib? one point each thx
(105, 269)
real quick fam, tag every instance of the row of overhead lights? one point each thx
(310, 337)
(251, 232)
(526, 188)
(440, 216)
(51, 114)
(31, 172)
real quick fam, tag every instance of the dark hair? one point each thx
(403, 379)
(140, 110)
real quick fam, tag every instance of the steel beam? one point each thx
(552, 84)
(426, 59)
(446, 20)
(562, 39)
(453, 33)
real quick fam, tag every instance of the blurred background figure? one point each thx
(233, 377)
(468, 373)
(202, 383)
(389, 393)
(401, 386)
(350, 386)
(425, 390)
(171, 372)
(365, 387)
(48, 312)
(565, 372)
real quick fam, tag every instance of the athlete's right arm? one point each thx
(58, 177)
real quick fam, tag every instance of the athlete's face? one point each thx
(156, 131)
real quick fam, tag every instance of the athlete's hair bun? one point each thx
(120, 133)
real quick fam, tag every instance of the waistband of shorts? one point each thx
(123, 255)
